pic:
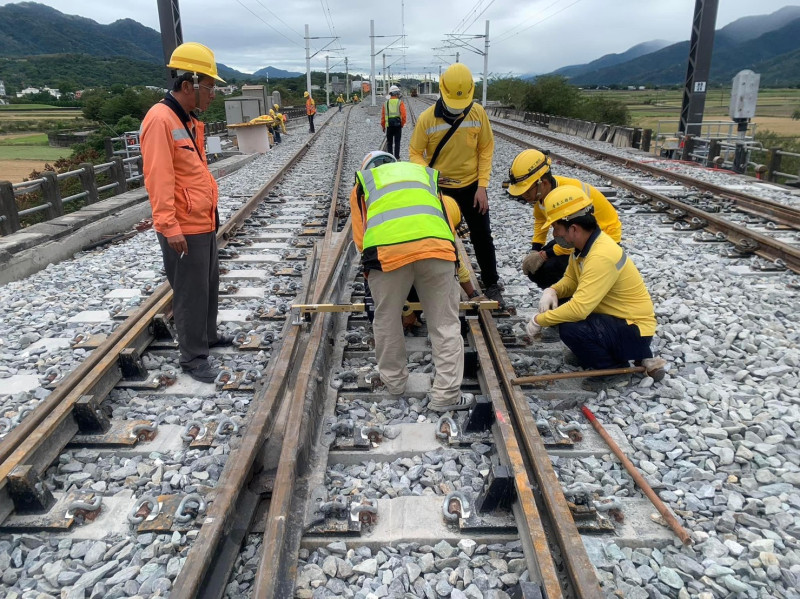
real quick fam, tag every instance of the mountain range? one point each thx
(34, 33)
(766, 44)
(40, 45)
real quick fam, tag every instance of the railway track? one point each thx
(262, 457)
(301, 479)
(761, 236)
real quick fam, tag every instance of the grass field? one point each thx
(13, 107)
(21, 154)
(649, 107)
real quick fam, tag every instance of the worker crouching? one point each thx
(401, 227)
(609, 319)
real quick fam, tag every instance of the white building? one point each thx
(29, 91)
(2, 88)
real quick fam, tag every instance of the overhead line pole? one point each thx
(308, 62)
(327, 85)
(485, 65)
(372, 59)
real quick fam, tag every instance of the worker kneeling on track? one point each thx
(530, 177)
(401, 228)
(609, 318)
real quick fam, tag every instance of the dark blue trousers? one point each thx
(603, 341)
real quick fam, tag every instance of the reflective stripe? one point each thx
(622, 260)
(179, 134)
(373, 194)
(586, 189)
(435, 128)
(446, 126)
(383, 217)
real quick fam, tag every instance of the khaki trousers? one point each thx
(437, 287)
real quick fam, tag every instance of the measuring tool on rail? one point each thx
(302, 312)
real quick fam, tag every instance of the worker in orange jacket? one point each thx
(393, 119)
(183, 195)
(311, 110)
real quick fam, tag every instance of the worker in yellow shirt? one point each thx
(609, 318)
(280, 117)
(340, 102)
(454, 137)
(531, 178)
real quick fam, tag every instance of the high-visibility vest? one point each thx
(393, 110)
(403, 205)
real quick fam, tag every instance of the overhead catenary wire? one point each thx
(276, 30)
(507, 35)
(281, 20)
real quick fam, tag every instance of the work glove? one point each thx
(549, 300)
(532, 263)
(532, 328)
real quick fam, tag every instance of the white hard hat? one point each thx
(394, 89)
(376, 158)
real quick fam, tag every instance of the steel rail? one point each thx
(768, 247)
(98, 373)
(763, 207)
(275, 564)
(230, 514)
(530, 463)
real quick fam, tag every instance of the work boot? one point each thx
(599, 383)
(464, 402)
(655, 367)
(223, 340)
(203, 372)
(494, 293)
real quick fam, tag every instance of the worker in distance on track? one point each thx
(183, 195)
(609, 319)
(401, 228)
(531, 178)
(311, 110)
(393, 119)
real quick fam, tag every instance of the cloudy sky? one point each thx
(527, 36)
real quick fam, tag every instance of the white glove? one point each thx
(549, 300)
(532, 262)
(532, 328)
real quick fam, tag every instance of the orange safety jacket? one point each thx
(183, 192)
(392, 257)
(402, 114)
(311, 106)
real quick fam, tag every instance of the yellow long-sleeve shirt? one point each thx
(604, 212)
(465, 158)
(601, 278)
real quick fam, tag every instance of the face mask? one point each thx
(450, 111)
(562, 241)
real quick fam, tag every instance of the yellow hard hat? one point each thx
(276, 107)
(457, 86)
(528, 167)
(566, 202)
(305, 94)
(453, 211)
(271, 112)
(195, 58)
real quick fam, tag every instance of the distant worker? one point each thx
(401, 227)
(311, 110)
(454, 136)
(280, 117)
(355, 98)
(183, 195)
(275, 125)
(609, 317)
(340, 102)
(530, 177)
(393, 119)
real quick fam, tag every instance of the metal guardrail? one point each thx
(121, 172)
